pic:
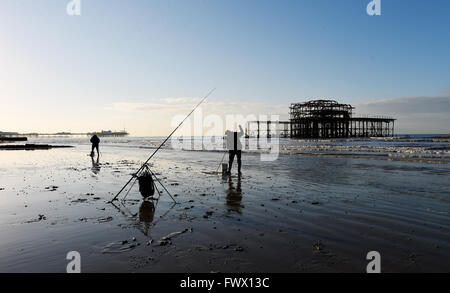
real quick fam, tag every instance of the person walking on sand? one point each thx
(234, 147)
(95, 142)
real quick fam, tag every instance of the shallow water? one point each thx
(350, 196)
(429, 148)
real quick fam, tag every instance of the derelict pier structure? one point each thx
(324, 119)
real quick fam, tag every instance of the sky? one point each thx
(139, 64)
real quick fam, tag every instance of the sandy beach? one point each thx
(300, 213)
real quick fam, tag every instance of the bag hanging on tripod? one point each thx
(146, 183)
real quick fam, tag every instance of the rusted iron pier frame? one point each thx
(317, 128)
(343, 127)
(268, 129)
(324, 119)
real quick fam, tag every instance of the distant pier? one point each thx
(103, 133)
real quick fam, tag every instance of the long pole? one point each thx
(160, 146)
(221, 162)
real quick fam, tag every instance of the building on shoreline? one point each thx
(109, 133)
(323, 119)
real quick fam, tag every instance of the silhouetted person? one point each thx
(95, 142)
(234, 148)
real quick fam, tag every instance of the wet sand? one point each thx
(297, 214)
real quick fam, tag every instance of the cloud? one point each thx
(157, 117)
(410, 105)
(143, 107)
(413, 114)
(184, 105)
(182, 100)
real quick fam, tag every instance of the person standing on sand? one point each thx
(234, 148)
(95, 142)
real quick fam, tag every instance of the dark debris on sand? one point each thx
(38, 219)
(51, 188)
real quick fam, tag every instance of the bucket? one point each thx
(146, 185)
(224, 167)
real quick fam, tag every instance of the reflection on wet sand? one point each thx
(234, 195)
(95, 165)
(146, 215)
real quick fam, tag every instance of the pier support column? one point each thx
(257, 134)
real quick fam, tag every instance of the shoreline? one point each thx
(31, 147)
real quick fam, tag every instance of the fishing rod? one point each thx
(160, 146)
